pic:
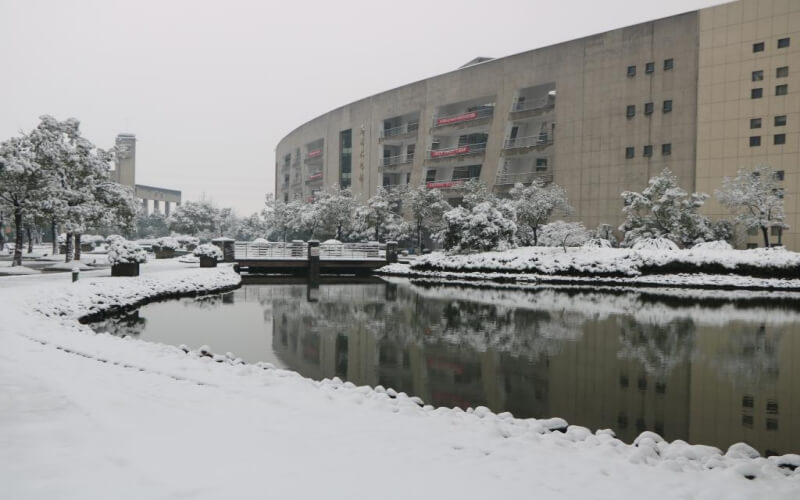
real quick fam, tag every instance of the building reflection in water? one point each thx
(715, 374)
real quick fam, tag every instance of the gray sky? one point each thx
(210, 87)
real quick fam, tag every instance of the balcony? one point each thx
(396, 161)
(465, 150)
(521, 144)
(313, 155)
(533, 106)
(401, 130)
(505, 179)
(469, 116)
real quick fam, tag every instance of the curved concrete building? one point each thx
(703, 93)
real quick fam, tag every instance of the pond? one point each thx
(710, 368)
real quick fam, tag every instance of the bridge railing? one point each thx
(352, 251)
(298, 250)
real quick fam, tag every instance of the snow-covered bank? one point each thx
(130, 419)
(618, 262)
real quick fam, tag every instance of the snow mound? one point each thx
(68, 267)
(260, 241)
(659, 244)
(713, 245)
(331, 242)
(188, 259)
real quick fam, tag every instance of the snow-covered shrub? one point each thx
(122, 251)
(166, 243)
(655, 244)
(113, 237)
(713, 245)
(597, 243)
(563, 234)
(480, 229)
(260, 241)
(208, 250)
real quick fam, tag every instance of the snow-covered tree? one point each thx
(250, 228)
(280, 217)
(481, 228)
(306, 220)
(534, 205)
(756, 197)
(194, 217)
(474, 193)
(664, 210)
(151, 226)
(564, 234)
(380, 218)
(336, 210)
(427, 209)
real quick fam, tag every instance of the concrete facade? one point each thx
(598, 116)
(125, 173)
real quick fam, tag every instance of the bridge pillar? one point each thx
(166, 209)
(156, 206)
(391, 252)
(313, 262)
(145, 210)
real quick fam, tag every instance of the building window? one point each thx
(631, 71)
(647, 151)
(757, 75)
(648, 108)
(753, 231)
(758, 47)
(623, 380)
(784, 42)
(286, 197)
(629, 152)
(541, 164)
(345, 157)
(430, 175)
(755, 140)
(779, 139)
(649, 67)
(779, 175)
(661, 387)
(781, 89)
(666, 149)
(668, 64)
(755, 122)
(466, 172)
(630, 111)
(780, 121)
(782, 72)
(772, 424)
(772, 406)
(756, 93)
(667, 106)
(747, 421)
(747, 401)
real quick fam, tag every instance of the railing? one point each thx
(467, 149)
(391, 161)
(533, 104)
(442, 121)
(523, 178)
(542, 139)
(405, 128)
(298, 250)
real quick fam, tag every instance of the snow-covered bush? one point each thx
(122, 251)
(480, 229)
(208, 250)
(597, 243)
(166, 243)
(260, 241)
(655, 244)
(563, 234)
(113, 237)
(186, 240)
(713, 245)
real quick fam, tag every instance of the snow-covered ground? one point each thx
(85, 415)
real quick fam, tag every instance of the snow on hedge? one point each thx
(657, 244)
(156, 421)
(167, 243)
(122, 251)
(208, 250)
(772, 262)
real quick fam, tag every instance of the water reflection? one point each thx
(712, 371)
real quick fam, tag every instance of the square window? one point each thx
(661, 387)
(668, 64)
(756, 93)
(541, 164)
(772, 424)
(648, 108)
(782, 72)
(781, 89)
(667, 106)
(430, 175)
(779, 139)
(747, 421)
(666, 149)
(650, 67)
(753, 231)
(755, 122)
(647, 151)
(630, 111)
(629, 152)
(772, 406)
(623, 380)
(780, 121)
(755, 141)
(758, 47)
(747, 401)
(779, 175)
(631, 70)
(784, 42)
(757, 76)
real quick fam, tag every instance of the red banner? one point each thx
(316, 176)
(443, 185)
(449, 152)
(455, 119)
(314, 153)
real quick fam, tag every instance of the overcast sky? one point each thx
(210, 87)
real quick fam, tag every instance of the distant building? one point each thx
(125, 174)
(703, 93)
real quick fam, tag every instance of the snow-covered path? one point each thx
(94, 416)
